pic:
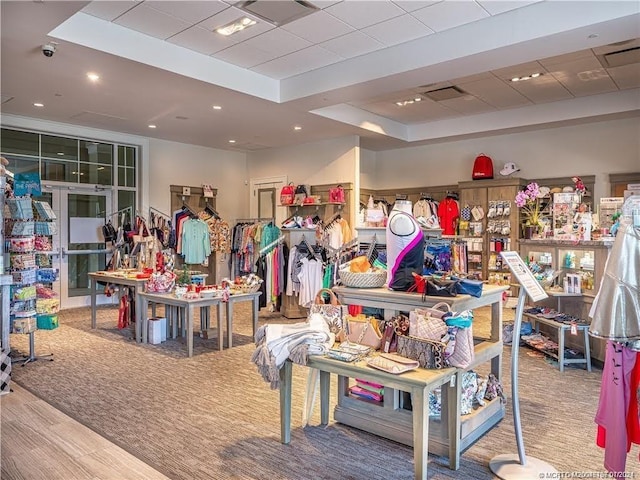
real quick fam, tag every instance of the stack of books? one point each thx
(369, 390)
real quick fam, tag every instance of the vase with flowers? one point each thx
(529, 201)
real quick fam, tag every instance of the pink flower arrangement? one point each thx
(528, 201)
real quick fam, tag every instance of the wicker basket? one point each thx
(363, 280)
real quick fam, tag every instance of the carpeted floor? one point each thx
(212, 417)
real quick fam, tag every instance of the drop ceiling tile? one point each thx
(411, 5)
(245, 55)
(398, 30)
(550, 62)
(297, 62)
(108, 10)
(449, 14)
(495, 7)
(467, 105)
(352, 45)
(519, 70)
(193, 12)
(325, 3)
(627, 76)
(542, 89)
(362, 13)
(230, 15)
(151, 22)
(278, 42)
(495, 92)
(318, 27)
(201, 40)
(472, 78)
(584, 76)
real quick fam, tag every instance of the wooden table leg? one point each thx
(454, 419)
(285, 402)
(220, 334)
(420, 431)
(93, 283)
(256, 309)
(561, 332)
(325, 388)
(142, 319)
(587, 349)
(189, 322)
(230, 323)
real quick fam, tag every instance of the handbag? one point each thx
(336, 194)
(287, 194)
(439, 287)
(300, 193)
(363, 330)
(392, 363)
(423, 325)
(463, 351)
(467, 286)
(333, 312)
(428, 353)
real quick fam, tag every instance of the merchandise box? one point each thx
(157, 330)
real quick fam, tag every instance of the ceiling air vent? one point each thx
(277, 12)
(447, 93)
(622, 57)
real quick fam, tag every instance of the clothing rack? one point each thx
(208, 208)
(332, 220)
(158, 212)
(122, 210)
(268, 247)
(254, 220)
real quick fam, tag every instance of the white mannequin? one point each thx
(400, 224)
(405, 246)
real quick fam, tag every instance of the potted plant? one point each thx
(183, 280)
(529, 202)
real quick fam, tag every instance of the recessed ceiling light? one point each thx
(94, 77)
(152, 126)
(217, 107)
(38, 105)
(297, 127)
(60, 153)
(100, 168)
(236, 26)
(527, 77)
(232, 141)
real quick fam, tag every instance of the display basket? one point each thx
(363, 279)
(20, 208)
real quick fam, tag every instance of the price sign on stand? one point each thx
(207, 190)
(524, 276)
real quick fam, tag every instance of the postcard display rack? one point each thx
(25, 234)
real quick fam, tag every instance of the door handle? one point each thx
(85, 252)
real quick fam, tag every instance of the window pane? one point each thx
(59, 171)
(126, 177)
(95, 152)
(100, 174)
(21, 164)
(13, 141)
(59, 147)
(126, 198)
(127, 156)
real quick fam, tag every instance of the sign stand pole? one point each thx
(512, 466)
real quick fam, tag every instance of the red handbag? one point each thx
(287, 194)
(336, 195)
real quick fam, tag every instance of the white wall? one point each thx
(175, 163)
(368, 169)
(329, 161)
(591, 149)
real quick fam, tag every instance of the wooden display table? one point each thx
(396, 424)
(189, 306)
(122, 280)
(418, 382)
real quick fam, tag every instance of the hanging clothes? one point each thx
(448, 214)
(196, 244)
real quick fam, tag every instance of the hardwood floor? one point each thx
(39, 442)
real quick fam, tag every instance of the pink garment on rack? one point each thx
(615, 395)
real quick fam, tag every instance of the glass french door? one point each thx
(78, 246)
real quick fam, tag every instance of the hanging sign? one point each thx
(207, 190)
(524, 276)
(27, 184)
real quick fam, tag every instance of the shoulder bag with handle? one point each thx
(334, 312)
(363, 330)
